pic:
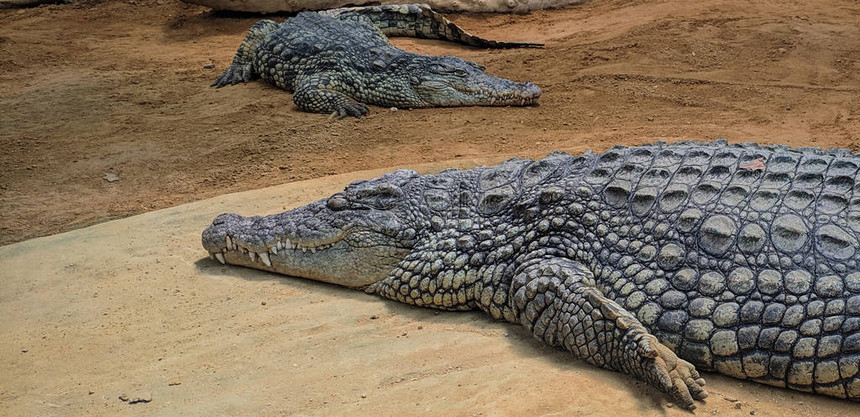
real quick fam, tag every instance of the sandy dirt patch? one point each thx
(135, 308)
(93, 88)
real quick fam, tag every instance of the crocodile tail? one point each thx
(419, 21)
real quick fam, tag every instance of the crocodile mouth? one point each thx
(349, 255)
(284, 246)
(522, 94)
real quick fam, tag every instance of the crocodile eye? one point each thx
(337, 203)
(460, 72)
(380, 196)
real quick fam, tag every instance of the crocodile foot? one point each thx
(354, 109)
(234, 74)
(669, 373)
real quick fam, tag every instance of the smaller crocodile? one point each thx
(337, 61)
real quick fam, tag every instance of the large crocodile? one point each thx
(335, 61)
(650, 260)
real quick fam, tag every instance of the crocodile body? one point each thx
(336, 61)
(652, 260)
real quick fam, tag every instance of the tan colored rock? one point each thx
(271, 6)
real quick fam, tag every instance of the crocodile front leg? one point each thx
(320, 94)
(242, 68)
(557, 301)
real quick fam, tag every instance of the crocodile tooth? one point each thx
(280, 245)
(220, 257)
(313, 250)
(212, 255)
(252, 255)
(274, 250)
(304, 249)
(229, 242)
(264, 256)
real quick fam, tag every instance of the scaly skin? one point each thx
(649, 260)
(337, 61)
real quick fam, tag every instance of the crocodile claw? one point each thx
(676, 377)
(234, 74)
(354, 109)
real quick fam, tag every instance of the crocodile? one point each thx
(337, 61)
(656, 261)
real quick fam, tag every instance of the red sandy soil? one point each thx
(100, 87)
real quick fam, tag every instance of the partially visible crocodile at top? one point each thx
(650, 260)
(336, 61)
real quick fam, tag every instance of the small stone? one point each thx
(263, 303)
(374, 317)
(651, 119)
(363, 395)
(393, 109)
(174, 383)
(111, 177)
(420, 327)
(669, 405)
(209, 66)
(123, 397)
(752, 412)
(737, 405)
(141, 398)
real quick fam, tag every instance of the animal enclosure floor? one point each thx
(135, 309)
(122, 88)
(105, 113)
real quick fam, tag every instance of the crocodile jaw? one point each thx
(498, 92)
(335, 263)
(340, 257)
(450, 81)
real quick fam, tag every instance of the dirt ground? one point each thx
(108, 87)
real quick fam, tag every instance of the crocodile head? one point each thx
(353, 238)
(450, 81)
